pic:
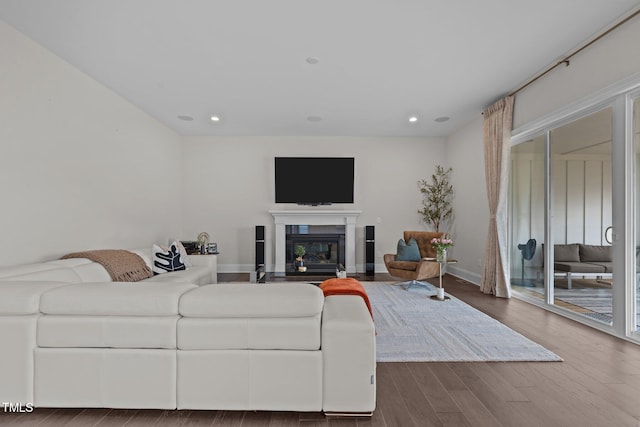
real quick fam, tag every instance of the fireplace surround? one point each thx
(315, 217)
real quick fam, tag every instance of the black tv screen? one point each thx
(314, 180)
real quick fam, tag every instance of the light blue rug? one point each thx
(411, 327)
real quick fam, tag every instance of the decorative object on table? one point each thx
(528, 250)
(341, 272)
(441, 245)
(436, 198)
(203, 241)
(191, 246)
(300, 251)
(212, 248)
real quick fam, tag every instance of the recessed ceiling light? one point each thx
(186, 118)
(413, 119)
(442, 119)
(314, 118)
(312, 60)
(215, 118)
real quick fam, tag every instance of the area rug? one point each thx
(411, 327)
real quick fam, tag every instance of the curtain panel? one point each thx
(498, 120)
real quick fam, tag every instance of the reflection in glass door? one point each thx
(526, 195)
(581, 200)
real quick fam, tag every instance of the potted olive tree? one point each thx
(436, 198)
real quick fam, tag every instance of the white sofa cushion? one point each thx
(105, 378)
(280, 316)
(271, 333)
(250, 300)
(85, 269)
(23, 297)
(250, 380)
(115, 298)
(195, 275)
(41, 272)
(107, 331)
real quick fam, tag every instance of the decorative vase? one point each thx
(441, 255)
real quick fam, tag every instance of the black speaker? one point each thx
(260, 232)
(370, 250)
(259, 246)
(369, 233)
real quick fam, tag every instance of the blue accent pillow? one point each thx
(408, 251)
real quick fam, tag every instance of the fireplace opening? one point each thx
(324, 247)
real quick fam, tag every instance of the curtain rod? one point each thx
(566, 59)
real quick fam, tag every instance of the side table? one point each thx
(440, 296)
(207, 260)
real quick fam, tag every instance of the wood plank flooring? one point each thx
(598, 384)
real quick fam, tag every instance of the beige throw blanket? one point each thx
(123, 266)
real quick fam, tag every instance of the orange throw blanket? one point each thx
(347, 286)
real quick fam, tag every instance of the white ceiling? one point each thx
(378, 61)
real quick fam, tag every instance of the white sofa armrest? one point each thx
(349, 356)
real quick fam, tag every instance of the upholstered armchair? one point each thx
(419, 270)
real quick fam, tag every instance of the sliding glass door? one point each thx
(574, 163)
(574, 211)
(580, 159)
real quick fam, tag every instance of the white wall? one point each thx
(606, 62)
(465, 153)
(229, 188)
(81, 168)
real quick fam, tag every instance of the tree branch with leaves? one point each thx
(436, 198)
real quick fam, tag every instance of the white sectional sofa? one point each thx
(74, 339)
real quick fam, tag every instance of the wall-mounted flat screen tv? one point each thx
(314, 180)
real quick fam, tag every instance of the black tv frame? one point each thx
(314, 180)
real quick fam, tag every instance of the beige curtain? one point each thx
(498, 119)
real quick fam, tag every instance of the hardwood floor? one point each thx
(598, 384)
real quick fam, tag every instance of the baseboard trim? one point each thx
(461, 273)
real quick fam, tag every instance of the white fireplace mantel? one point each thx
(315, 217)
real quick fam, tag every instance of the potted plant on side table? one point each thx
(300, 252)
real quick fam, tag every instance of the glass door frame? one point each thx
(631, 306)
